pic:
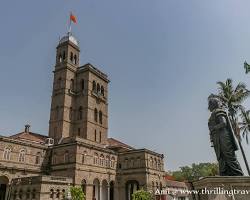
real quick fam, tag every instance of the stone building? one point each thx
(77, 150)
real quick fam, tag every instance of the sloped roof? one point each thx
(175, 184)
(30, 136)
(116, 144)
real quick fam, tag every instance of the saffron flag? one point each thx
(73, 18)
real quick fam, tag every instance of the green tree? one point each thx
(195, 171)
(77, 193)
(142, 195)
(232, 99)
(245, 123)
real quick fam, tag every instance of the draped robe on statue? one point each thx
(224, 143)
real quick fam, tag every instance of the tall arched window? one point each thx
(64, 55)
(38, 158)
(58, 193)
(51, 194)
(102, 90)
(21, 157)
(102, 160)
(7, 153)
(94, 86)
(100, 117)
(100, 136)
(84, 155)
(72, 82)
(82, 84)
(60, 58)
(95, 114)
(95, 136)
(98, 88)
(80, 113)
(75, 59)
(71, 57)
(95, 158)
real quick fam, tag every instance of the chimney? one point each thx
(27, 128)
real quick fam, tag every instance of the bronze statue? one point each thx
(222, 139)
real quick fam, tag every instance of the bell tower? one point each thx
(79, 105)
(64, 85)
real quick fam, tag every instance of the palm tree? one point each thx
(232, 99)
(245, 123)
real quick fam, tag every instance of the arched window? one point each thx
(95, 136)
(75, 59)
(70, 113)
(95, 158)
(84, 184)
(82, 84)
(21, 157)
(63, 193)
(72, 84)
(71, 57)
(100, 117)
(58, 193)
(80, 113)
(94, 86)
(102, 90)
(66, 157)
(57, 112)
(84, 155)
(98, 88)
(107, 161)
(59, 83)
(112, 162)
(79, 131)
(126, 163)
(151, 162)
(95, 115)
(51, 194)
(102, 160)
(100, 137)
(38, 158)
(64, 55)
(60, 58)
(7, 153)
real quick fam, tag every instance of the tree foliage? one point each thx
(77, 193)
(142, 195)
(195, 171)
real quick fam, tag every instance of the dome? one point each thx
(69, 37)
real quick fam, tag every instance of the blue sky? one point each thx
(163, 58)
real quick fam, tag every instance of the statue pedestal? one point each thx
(222, 188)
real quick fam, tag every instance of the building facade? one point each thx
(77, 150)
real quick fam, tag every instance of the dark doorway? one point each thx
(2, 191)
(111, 190)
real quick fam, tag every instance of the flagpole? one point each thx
(69, 31)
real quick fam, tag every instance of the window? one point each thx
(112, 162)
(21, 157)
(95, 136)
(63, 193)
(75, 59)
(72, 84)
(107, 161)
(84, 157)
(98, 88)
(95, 158)
(100, 137)
(64, 55)
(6, 153)
(70, 113)
(102, 160)
(79, 132)
(82, 84)
(60, 58)
(38, 158)
(57, 193)
(96, 113)
(100, 117)
(102, 90)
(51, 194)
(66, 157)
(80, 113)
(71, 56)
(94, 86)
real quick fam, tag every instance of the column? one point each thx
(100, 192)
(108, 192)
